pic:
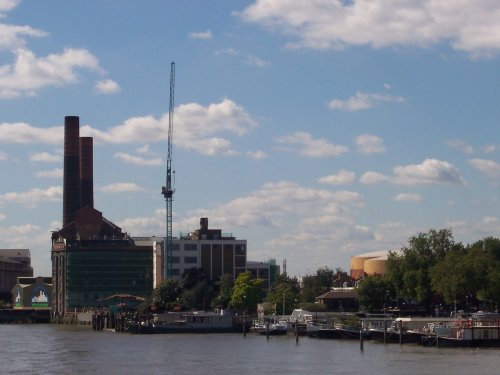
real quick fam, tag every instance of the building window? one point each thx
(175, 247)
(175, 272)
(240, 250)
(175, 259)
(190, 247)
(190, 260)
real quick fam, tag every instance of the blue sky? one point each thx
(316, 132)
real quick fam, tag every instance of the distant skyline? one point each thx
(316, 132)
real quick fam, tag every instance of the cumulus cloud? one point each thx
(7, 5)
(107, 86)
(343, 177)
(34, 196)
(53, 173)
(20, 132)
(408, 197)
(201, 35)
(196, 127)
(362, 101)
(120, 187)
(12, 36)
(460, 145)
(137, 160)
(369, 144)
(45, 157)
(29, 73)
(430, 171)
(374, 178)
(336, 24)
(489, 167)
(257, 155)
(310, 147)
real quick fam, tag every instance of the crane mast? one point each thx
(168, 191)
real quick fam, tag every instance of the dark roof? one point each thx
(15, 253)
(339, 294)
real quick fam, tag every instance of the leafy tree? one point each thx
(247, 292)
(284, 294)
(198, 291)
(166, 294)
(409, 270)
(315, 285)
(199, 296)
(191, 277)
(375, 292)
(225, 290)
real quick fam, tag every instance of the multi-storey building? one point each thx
(92, 259)
(215, 252)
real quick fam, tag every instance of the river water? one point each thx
(52, 349)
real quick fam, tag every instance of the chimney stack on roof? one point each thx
(78, 183)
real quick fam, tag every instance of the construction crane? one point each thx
(168, 190)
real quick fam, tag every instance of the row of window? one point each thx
(188, 260)
(239, 249)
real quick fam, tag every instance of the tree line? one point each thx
(438, 274)
(432, 272)
(195, 292)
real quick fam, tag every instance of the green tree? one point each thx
(198, 291)
(284, 294)
(375, 293)
(225, 290)
(317, 284)
(166, 294)
(247, 292)
(409, 270)
(199, 296)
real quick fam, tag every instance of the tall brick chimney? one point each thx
(71, 179)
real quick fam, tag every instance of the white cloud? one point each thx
(8, 5)
(201, 35)
(34, 196)
(227, 51)
(430, 171)
(121, 187)
(362, 101)
(489, 167)
(408, 197)
(257, 155)
(153, 225)
(468, 26)
(343, 177)
(107, 86)
(29, 73)
(310, 147)
(143, 150)
(487, 149)
(460, 145)
(255, 61)
(45, 157)
(11, 35)
(138, 160)
(374, 178)
(369, 144)
(20, 132)
(195, 127)
(54, 173)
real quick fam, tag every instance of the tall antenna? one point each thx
(168, 191)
